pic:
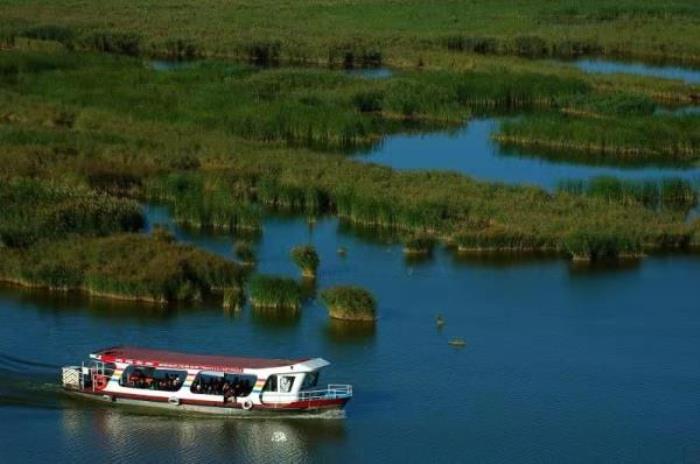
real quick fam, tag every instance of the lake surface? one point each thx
(688, 75)
(471, 151)
(561, 365)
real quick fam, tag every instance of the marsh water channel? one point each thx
(471, 150)
(562, 364)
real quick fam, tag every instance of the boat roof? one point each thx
(173, 359)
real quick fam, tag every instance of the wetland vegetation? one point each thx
(88, 129)
(350, 303)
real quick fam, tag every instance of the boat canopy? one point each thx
(219, 363)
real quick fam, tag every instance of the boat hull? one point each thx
(325, 407)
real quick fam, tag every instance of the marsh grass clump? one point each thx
(419, 245)
(587, 246)
(274, 292)
(350, 303)
(617, 104)
(671, 194)
(234, 298)
(206, 203)
(631, 138)
(123, 266)
(245, 252)
(306, 258)
(33, 210)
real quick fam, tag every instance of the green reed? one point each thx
(274, 292)
(350, 303)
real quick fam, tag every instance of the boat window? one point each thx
(271, 384)
(152, 379)
(310, 380)
(228, 385)
(286, 383)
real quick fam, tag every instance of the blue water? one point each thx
(371, 73)
(561, 365)
(471, 151)
(171, 65)
(687, 75)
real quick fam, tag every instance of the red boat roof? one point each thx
(172, 359)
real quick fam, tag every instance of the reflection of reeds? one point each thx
(342, 331)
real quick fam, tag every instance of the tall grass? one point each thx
(673, 194)
(363, 33)
(205, 203)
(630, 138)
(306, 258)
(124, 266)
(31, 210)
(350, 303)
(274, 292)
(313, 108)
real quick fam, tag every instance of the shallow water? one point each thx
(171, 65)
(371, 73)
(561, 364)
(604, 66)
(601, 66)
(471, 150)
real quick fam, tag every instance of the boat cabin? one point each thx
(145, 375)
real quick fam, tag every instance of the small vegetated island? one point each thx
(350, 303)
(264, 121)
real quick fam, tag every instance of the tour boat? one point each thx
(205, 383)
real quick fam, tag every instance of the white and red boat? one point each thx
(204, 383)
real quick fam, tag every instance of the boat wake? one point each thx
(28, 383)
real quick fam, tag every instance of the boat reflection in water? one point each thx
(138, 435)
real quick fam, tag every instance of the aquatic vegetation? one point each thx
(419, 245)
(123, 266)
(674, 194)
(233, 298)
(245, 252)
(350, 303)
(268, 291)
(31, 210)
(306, 258)
(632, 138)
(439, 321)
(363, 34)
(205, 203)
(620, 104)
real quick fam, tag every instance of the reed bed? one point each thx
(419, 245)
(313, 108)
(245, 252)
(473, 215)
(628, 139)
(201, 203)
(350, 303)
(122, 266)
(672, 194)
(307, 259)
(31, 210)
(361, 33)
(273, 292)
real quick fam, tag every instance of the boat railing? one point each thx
(332, 391)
